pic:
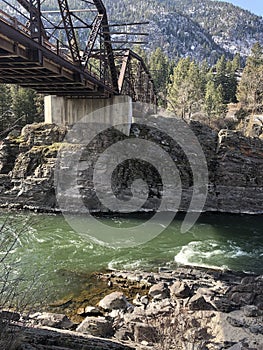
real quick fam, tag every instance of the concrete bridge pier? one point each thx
(67, 111)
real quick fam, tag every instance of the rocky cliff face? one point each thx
(235, 166)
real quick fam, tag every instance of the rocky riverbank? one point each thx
(186, 308)
(28, 161)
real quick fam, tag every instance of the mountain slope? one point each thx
(201, 29)
(198, 28)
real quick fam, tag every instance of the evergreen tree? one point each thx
(5, 106)
(159, 68)
(214, 100)
(236, 63)
(177, 89)
(24, 104)
(226, 77)
(185, 92)
(250, 88)
(5, 100)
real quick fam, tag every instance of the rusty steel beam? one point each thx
(36, 25)
(123, 70)
(9, 37)
(29, 59)
(91, 40)
(107, 42)
(69, 29)
(135, 79)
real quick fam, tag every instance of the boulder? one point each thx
(159, 291)
(180, 289)
(198, 302)
(224, 305)
(9, 315)
(96, 326)
(235, 322)
(52, 320)
(256, 329)
(124, 334)
(251, 311)
(89, 311)
(237, 346)
(159, 307)
(114, 300)
(242, 299)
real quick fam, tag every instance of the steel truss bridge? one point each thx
(40, 49)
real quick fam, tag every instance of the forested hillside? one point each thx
(200, 29)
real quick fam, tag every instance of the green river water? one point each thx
(48, 253)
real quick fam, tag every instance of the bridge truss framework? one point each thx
(37, 53)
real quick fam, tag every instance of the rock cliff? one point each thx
(235, 167)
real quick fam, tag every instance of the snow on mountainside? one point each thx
(198, 28)
(201, 29)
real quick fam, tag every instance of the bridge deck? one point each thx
(33, 57)
(23, 61)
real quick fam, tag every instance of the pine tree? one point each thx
(214, 100)
(5, 106)
(24, 105)
(185, 92)
(5, 99)
(159, 69)
(177, 89)
(250, 87)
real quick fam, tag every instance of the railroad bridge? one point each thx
(40, 48)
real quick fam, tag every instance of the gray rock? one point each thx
(159, 291)
(251, 311)
(137, 316)
(144, 300)
(124, 334)
(28, 164)
(242, 298)
(115, 300)
(180, 289)
(224, 305)
(235, 322)
(96, 326)
(159, 307)
(256, 329)
(52, 320)
(89, 311)
(237, 346)
(198, 302)
(9, 315)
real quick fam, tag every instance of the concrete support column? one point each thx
(64, 110)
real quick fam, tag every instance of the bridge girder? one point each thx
(29, 58)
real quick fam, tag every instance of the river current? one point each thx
(49, 253)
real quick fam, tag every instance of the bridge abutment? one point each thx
(68, 111)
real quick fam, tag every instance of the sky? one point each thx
(255, 6)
